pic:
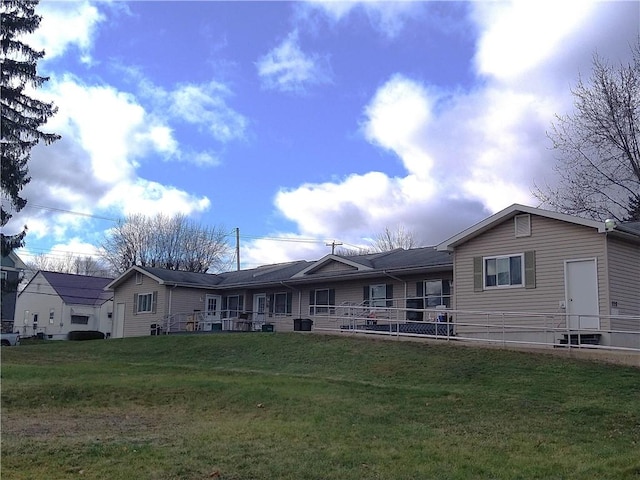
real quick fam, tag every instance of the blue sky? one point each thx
(303, 122)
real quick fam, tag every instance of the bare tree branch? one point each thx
(174, 243)
(598, 167)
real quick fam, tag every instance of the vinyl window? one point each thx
(145, 302)
(322, 301)
(504, 271)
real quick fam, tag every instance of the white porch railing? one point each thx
(615, 332)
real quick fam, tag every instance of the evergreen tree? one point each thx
(22, 116)
(633, 209)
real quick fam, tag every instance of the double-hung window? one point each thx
(322, 301)
(379, 295)
(436, 293)
(281, 303)
(503, 271)
(232, 306)
(145, 303)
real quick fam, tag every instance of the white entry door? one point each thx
(212, 308)
(118, 327)
(259, 308)
(581, 284)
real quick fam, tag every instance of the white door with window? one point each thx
(212, 311)
(581, 284)
(259, 309)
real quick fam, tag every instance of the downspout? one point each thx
(405, 290)
(169, 312)
(299, 297)
(399, 280)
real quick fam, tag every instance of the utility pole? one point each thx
(333, 245)
(237, 248)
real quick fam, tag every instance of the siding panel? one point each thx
(553, 242)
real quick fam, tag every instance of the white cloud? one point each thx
(396, 120)
(205, 105)
(387, 17)
(66, 24)
(105, 134)
(469, 153)
(151, 198)
(519, 37)
(287, 68)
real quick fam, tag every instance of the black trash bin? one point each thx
(305, 324)
(297, 324)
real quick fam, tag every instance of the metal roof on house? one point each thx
(79, 289)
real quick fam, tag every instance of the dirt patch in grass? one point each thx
(98, 425)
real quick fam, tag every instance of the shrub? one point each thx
(85, 335)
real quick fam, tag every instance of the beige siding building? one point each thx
(521, 275)
(544, 270)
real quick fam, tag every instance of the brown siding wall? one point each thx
(553, 242)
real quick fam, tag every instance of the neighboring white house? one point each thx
(54, 304)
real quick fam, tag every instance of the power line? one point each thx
(62, 210)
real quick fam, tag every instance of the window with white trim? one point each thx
(138, 278)
(232, 306)
(145, 303)
(52, 314)
(378, 295)
(436, 293)
(503, 271)
(282, 303)
(322, 301)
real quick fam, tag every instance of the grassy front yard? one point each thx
(292, 406)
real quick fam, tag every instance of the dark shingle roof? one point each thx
(79, 289)
(395, 261)
(183, 278)
(630, 227)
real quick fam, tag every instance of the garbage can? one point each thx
(305, 324)
(297, 324)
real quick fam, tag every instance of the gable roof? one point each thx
(78, 289)
(168, 277)
(358, 265)
(12, 262)
(302, 271)
(510, 212)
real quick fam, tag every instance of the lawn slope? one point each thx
(296, 406)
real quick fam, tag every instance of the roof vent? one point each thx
(523, 225)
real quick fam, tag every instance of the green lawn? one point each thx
(295, 406)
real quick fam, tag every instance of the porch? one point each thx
(202, 322)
